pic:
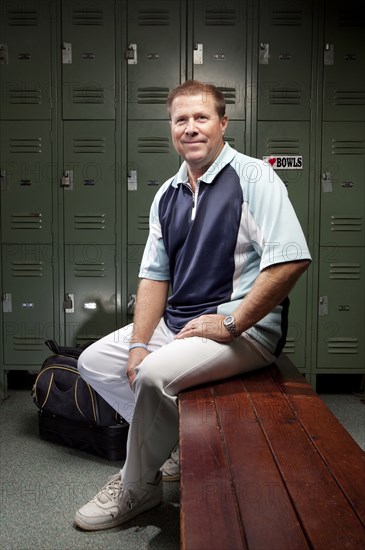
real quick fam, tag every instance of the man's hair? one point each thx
(195, 87)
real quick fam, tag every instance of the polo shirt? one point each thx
(212, 244)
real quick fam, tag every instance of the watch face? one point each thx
(228, 320)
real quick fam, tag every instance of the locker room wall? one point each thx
(85, 144)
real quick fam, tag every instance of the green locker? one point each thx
(344, 61)
(88, 59)
(341, 309)
(287, 144)
(26, 182)
(153, 53)
(89, 300)
(25, 60)
(89, 181)
(235, 135)
(342, 196)
(27, 305)
(219, 50)
(135, 253)
(284, 63)
(151, 161)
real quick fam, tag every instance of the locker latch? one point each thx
(131, 304)
(66, 53)
(131, 54)
(4, 180)
(323, 305)
(67, 179)
(329, 51)
(4, 57)
(7, 303)
(198, 54)
(327, 182)
(68, 303)
(264, 54)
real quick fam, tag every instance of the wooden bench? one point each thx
(266, 466)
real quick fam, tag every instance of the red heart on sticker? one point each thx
(272, 161)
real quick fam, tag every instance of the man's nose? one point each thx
(191, 127)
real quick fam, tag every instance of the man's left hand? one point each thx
(206, 326)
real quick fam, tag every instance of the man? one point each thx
(225, 238)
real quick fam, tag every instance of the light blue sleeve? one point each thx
(274, 227)
(155, 263)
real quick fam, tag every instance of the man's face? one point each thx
(196, 129)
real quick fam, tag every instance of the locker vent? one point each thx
(345, 271)
(348, 97)
(23, 18)
(222, 16)
(25, 145)
(287, 18)
(89, 145)
(154, 95)
(143, 222)
(27, 269)
(278, 146)
(348, 147)
(231, 141)
(354, 17)
(87, 17)
(284, 96)
(28, 343)
(343, 345)
(89, 270)
(23, 96)
(289, 346)
(26, 221)
(346, 223)
(91, 220)
(229, 95)
(153, 17)
(91, 94)
(153, 145)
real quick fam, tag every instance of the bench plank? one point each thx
(263, 459)
(205, 477)
(338, 449)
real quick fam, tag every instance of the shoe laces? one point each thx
(112, 488)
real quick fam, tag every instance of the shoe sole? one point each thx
(79, 520)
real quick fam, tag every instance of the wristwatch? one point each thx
(230, 325)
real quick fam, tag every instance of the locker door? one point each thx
(26, 205)
(289, 139)
(284, 70)
(151, 161)
(344, 60)
(135, 253)
(88, 59)
(341, 321)
(219, 50)
(28, 318)
(235, 135)
(296, 339)
(25, 60)
(89, 179)
(342, 197)
(90, 292)
(154, 43)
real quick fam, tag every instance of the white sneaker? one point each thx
(116, 504)
(171, 468)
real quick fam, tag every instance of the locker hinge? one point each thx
(131, 54)
(329, 51)
(4, 56)
(66, 53)
(198, 54)
(67, 180)
(68, 303)
(264, 54)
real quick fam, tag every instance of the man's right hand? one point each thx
(136, 357)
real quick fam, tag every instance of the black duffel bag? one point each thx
(71, 412)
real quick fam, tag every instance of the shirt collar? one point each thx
(225, 157)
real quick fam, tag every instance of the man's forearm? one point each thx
(271, 287)
(150, 306)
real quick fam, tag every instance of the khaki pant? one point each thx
(151, 407)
